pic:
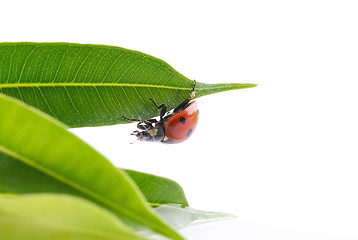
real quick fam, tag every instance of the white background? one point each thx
(281, 156)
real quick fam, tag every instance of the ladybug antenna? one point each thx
(134, 141)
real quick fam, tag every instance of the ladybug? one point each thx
(173, 127)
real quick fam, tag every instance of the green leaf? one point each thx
(54, 216)
(14, 174)
(158, 190)
(178, 217)
(32, 137)
(3, 191)
(94, 85)
(164, 194)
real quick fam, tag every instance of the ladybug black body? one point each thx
(173, 127)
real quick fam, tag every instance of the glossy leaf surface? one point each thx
(54, 216)
(43, 143)
(94, 85)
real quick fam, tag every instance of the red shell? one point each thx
(180, 126)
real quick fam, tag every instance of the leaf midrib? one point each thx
(75, 185)
(19, 85)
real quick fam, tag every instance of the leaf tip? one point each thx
(250, 85)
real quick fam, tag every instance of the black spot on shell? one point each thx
(189, 132)
(182, 120)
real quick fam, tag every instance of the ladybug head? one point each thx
(151, 134)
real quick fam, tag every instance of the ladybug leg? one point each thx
(138, 120)
(161, 106)
(131, 119)
(145, 125)
(184, 104)
(153, 120)
(142, 125)
(192, 94)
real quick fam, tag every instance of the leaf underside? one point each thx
(94, 85)
(179, 217)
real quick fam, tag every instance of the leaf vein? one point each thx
(25, 63)
(81, 65)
